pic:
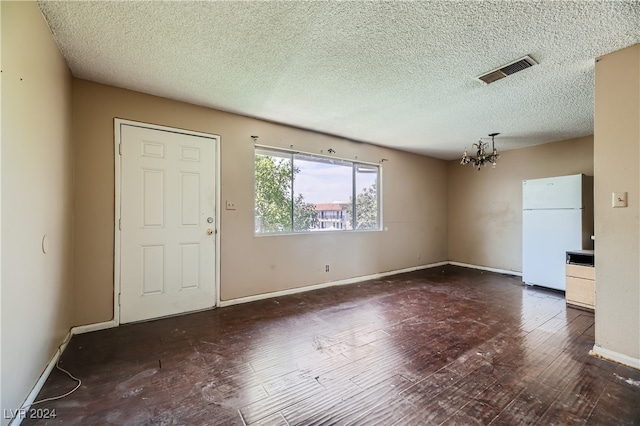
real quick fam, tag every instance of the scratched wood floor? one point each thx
(447, 345)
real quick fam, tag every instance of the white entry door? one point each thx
(168, 223)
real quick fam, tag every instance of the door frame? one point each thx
(117, 123)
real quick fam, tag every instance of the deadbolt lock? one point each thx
(209, 231)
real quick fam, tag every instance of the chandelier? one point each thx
(482, 158)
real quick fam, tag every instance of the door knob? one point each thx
(209, 219)
(209, 231)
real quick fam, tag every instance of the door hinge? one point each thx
(120, 148)
(118, 299)
(120, 224)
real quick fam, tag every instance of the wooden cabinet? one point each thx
(581, 284)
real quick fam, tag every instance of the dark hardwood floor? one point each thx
(447, 345)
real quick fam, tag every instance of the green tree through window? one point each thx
(366, 208)
(273, 193)
(273, 197)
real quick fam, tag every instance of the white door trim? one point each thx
(117, 123)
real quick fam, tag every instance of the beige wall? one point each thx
(414, 191)
(617, 153)
(36, 199)
(485, 207)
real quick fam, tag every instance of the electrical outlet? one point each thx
(326, 268)
(231, 205)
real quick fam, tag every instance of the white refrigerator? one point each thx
(557, 217)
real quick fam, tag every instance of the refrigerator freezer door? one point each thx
(564, 192)
(547, 236)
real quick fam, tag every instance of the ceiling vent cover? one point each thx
(507, 69)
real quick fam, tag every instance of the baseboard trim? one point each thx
(230, 302)
(486, 268)
(16, 421)
(54, 360)
(81, 329)
(610, 355)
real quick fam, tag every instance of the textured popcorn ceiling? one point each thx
(398, 74)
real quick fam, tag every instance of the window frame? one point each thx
(291, 153)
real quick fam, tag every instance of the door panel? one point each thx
(152, 188)
(189, 199)
(152, 270)
(167, 257)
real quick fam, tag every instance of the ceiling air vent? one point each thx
(507, 69)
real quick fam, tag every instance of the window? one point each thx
(296, 192)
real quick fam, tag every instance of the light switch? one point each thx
(618, 199)
(231, 205)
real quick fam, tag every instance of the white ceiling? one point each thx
(397, 74)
